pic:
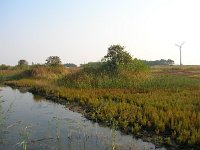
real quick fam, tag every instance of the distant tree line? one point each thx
(4, 67)
(159, 62)
(70, 65)
(116, 59)
(51, 61)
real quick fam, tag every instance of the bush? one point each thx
(4, 67)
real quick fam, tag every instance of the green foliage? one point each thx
(53, 61)
(168, 141)
(93, 78)
(94, 67)
(117, 58)
(118, 70)
(11, 74)
(136, 128)
(22, 64)
(137, 65)
(169, 82)
(4, 67)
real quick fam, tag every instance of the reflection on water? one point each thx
(31, 122)
(37, 98)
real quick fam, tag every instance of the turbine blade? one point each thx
(182, 43)
(176, 45)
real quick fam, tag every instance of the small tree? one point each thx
(53, 61)
(170, 62)
(117, 58)
(22, 62)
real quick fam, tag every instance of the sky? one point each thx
(80, 31)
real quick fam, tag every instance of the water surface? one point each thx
(32, 122)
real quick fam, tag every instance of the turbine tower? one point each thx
(180, 46)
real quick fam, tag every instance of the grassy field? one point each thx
(163, 102)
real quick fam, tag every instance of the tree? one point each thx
(22, 62)
(170, 62)
(53, 61)
(117, 57)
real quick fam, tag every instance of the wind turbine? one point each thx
(180, 46)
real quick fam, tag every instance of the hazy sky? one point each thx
(79, 31)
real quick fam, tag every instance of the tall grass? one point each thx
(94, 79)
(169, 82)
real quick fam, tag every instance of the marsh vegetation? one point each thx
(158, 102)
(33, 122)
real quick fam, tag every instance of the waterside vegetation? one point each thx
(160, 102)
